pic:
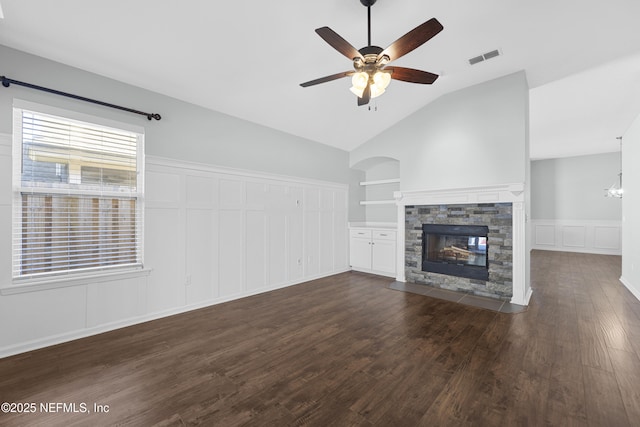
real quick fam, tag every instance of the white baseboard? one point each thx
(525, 300)
(634, 290)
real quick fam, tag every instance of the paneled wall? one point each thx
(211, 235)
(597, 237)
(235, 233)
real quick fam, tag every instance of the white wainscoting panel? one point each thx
(164, 253)
(341, 238)
(202, 255)
(256, 195)
(5, 236)
(545, 235)
(231, 262)
(162, 188)
(124, 299)
(6, 165)
(312, 242)
(295, 236)
(201, 192)
(231, 193)
(607, 238)
(34, 317)
(325, 263)
(597, 237)
(211, 235)
(574, 236)
(277, 251)
(256, 250)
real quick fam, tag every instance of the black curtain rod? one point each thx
(7, 81)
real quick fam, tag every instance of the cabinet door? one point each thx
(384, 256)
(360, 253)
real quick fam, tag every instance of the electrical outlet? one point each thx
(187, 280)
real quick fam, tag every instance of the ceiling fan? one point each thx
(371, 75)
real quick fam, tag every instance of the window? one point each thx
(77, 195)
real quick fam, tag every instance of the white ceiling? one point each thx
(247, 58)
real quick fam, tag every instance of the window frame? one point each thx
(72, 277)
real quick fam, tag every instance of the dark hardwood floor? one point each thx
(346, 350)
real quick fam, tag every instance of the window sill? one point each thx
(19, 286)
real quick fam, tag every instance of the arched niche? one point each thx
(382, 179)
(374, 162)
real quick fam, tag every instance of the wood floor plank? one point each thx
(627, 370)
(347, 350)
(566, 398)
(603, 399)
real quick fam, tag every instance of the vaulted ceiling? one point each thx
(246, 59)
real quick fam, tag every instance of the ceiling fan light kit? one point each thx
(378, 83)
(371, 75)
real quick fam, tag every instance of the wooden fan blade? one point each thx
(412, 76)
(413, 39)
(327, 78)
(338, 43)
(366, 96)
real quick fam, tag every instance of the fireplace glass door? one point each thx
(466, 250)
(457, 250)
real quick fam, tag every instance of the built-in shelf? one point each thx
(381, 181)
(377, 202)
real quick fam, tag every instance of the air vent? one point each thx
(484, 57)
(491, 54)
(476, 60)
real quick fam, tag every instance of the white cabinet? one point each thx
(360, 249)
(373, 250)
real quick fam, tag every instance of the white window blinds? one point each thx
(77, 197)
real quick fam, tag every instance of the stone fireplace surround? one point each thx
(497, 216)
(495, 199)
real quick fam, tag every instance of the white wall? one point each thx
(569, 210)
(631, 209)
(211, 235)
(186, 132)
(573, 188)
(233, 208)
(475, 136)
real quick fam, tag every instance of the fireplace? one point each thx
(500, 207)
(456, 250)
(465, 248)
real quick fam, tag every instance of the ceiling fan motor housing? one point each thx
(370, 50)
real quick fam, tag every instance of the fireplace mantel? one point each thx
(505, 193)
(513, 193)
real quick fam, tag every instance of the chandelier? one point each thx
(616, 188)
